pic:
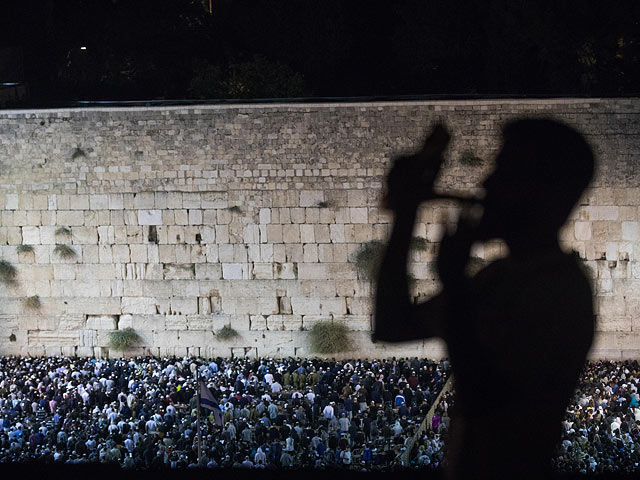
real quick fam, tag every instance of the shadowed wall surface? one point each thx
(186, 219)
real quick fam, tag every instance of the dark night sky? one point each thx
(172, 49)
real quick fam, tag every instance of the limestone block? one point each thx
(235, 271)
(284, 322)
(629, 231)
(613, 324)
(611, 251)
(582, 230)
(88, 338)
(279, 345)
(274, 233)
(105, 254)
(175, 322)
(31, 235)
(85, 352)
(165, 338)
(138, 305)
(220, 320)
(174, 271)
(53, 338)
(310, 253)
(101, 322)
(311, 198)
(321, 234)
(263, 271)
(121, 253)
(266, 253)
(195, 338)
(293, 252)
(208, 271)
(257, 322)
(358, 215)
(213, 200)
(312, 215)
(138, 253)
(307, 234)
(184, 306)
(297, 215)
(70, 217)
(145, 322)
(239, 322)
(601, 212)
(200, 322)
(222, 234)
(355, 322)
(225, 253)
(291, 233)
(318, 306)
(72, 322)
(264, 216)
(205, 305)
(265, 305)
(149, 217)
(251, 234)
(14, 236)
(435, 231)
(97, 306)
(11, 202)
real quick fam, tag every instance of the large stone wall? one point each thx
(186, 219)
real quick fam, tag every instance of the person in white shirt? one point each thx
(328, 411)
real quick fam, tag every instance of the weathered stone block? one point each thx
(138, 305)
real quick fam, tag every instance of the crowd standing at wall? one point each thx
(276, 413)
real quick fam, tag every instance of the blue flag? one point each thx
(207, 401)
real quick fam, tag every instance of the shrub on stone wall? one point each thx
(329, 337)
(32, 303)
(123, 339)
(227, 333)
(8, 273)
(24, 248)
(368, 257)
(64, 251)
(470, 158)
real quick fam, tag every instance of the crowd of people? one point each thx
(600, 432)
(274, 413)
(279, 413)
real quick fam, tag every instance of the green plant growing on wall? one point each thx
(77, 153)
(63, 231)
(24, 248)
(470, 158)
(12, 337)
(8, 273)
(227, 333)
(123, 339)
(329, 337)
(235, 209)
(368, 257)
(65, 252)
(32, 303)
(323, 204)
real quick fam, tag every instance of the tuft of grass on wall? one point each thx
(329, 337)
(64, 251)
(470, 158)
(475, 265)
(32, 303)
(12, 337)
(235, 209)
(24, 248)
(8, 273)
(63, 231)
(77, 153)
(123, 339)
(368, 257)
(227, 333)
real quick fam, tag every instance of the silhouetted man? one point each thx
(519, 331)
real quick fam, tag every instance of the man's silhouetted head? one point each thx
(540, 173)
